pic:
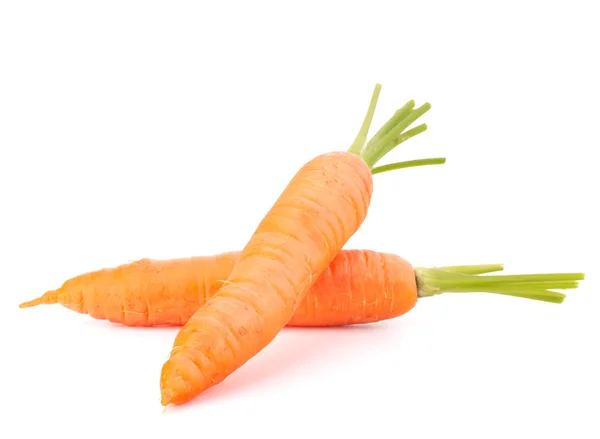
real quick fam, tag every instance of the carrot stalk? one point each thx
(433, 281)
(534, 294)
(473, 269)
(406, 135)
(361, 138)
(376, 150)
(390, 135)
(411, 133)
(407, 164)
(399, 115)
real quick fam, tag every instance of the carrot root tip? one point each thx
(48, 298)
(29, 304)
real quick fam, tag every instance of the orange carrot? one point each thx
(320, 209)
(145, 292)
(359, 286)
(322, 206)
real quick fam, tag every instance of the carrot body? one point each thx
(359, 286)
(320, 209)
(145, 292)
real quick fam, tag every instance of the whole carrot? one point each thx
(322, 206)
(359, 286)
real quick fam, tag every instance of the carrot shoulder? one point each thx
(320, 209)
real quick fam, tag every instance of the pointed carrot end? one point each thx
(30, 304)
(165, 400)
(48, 298)
(180, 381)
(168, 395)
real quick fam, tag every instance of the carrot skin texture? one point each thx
(359, 286)
(322, 206)
(147, 292)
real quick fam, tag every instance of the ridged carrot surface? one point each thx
(146, 292)
(359, 286)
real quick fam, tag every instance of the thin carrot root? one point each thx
(47, 298)
(31, 303)
(465, 279)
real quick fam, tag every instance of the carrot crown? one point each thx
(466, 279)
(390, 135)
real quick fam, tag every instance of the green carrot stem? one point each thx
(458, 279)
(473, 269)
(514, 287)
(361, 137)
(399, 115)
(408, 134)
(407, 164)
(387, 142)
(390, 135)
(541, 295)
(405, 136)
(505, 279)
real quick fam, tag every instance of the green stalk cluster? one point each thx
(467, 279)
(390, 135)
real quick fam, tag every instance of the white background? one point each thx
(167, 129)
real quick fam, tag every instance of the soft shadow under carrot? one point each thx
(293, 350)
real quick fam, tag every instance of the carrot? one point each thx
(322, 206)
(145, 292)
(359, 286)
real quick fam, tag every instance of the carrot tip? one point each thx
(167, 397)
(49, 297)
(29, 304)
